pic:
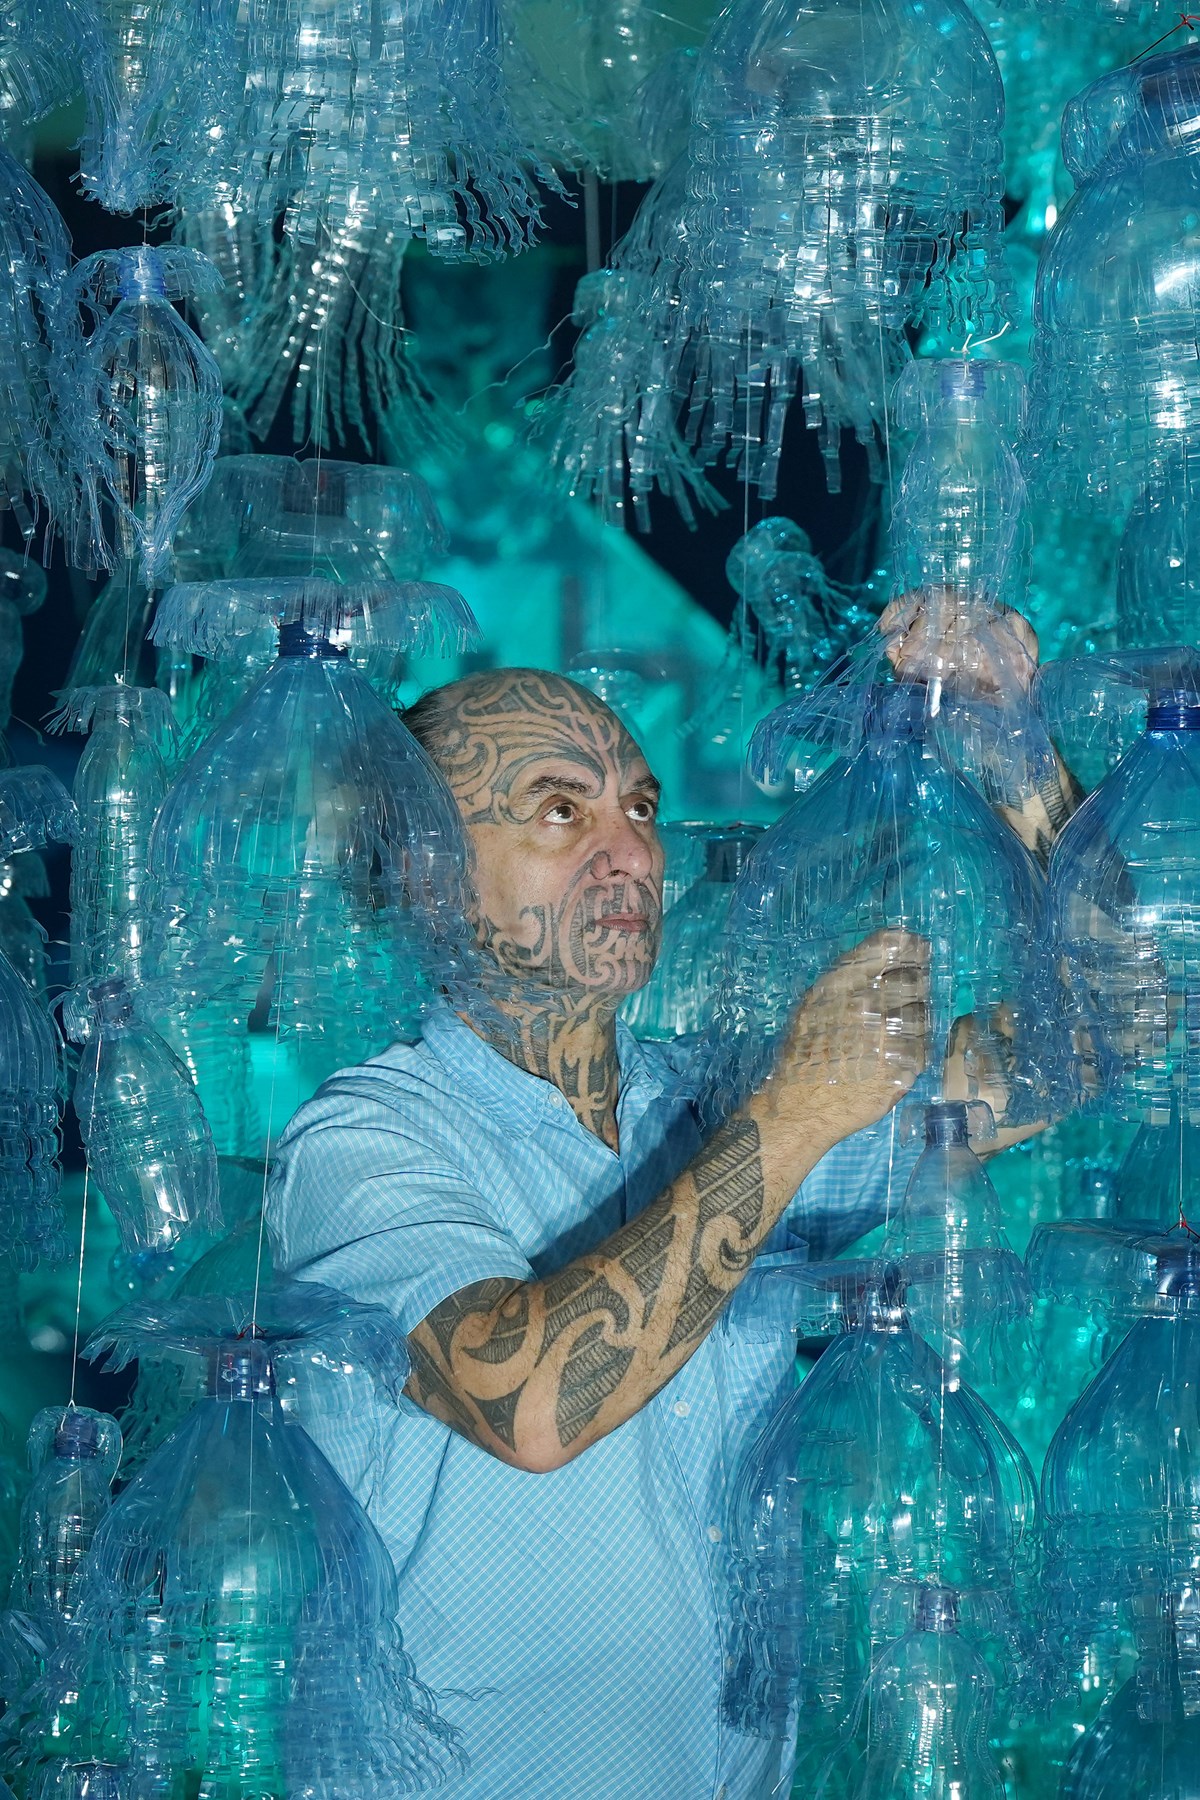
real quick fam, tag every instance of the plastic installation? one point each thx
(962, 1559)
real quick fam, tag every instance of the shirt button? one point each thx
(722, 1791)
(714, 1532)
(682, 1409)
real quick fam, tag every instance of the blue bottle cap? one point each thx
(295, 639)
(946, 1122)
(77, 1437)
(1171, 710)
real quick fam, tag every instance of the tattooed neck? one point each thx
(572, 1045)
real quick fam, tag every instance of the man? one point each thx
(564, 1253)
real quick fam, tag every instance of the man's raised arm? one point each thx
(534, 1372)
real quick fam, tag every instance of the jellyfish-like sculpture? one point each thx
(1119, 1487)
(815, 233)
(235, 1619)
(308, 860)
(878, 1475)
(148, 405)
(889, 836)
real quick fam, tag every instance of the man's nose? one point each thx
(628, 850)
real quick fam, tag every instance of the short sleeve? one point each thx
(362, 1200)
(848, 1192)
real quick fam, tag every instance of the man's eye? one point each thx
(644, 811)
(561, 813)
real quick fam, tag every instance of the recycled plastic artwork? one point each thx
(268, 878)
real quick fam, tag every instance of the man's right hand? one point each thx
(857, 1042)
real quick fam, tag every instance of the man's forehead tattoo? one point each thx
(489, 730)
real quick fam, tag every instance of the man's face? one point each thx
(561, 808)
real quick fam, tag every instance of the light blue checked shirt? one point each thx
(570, 1622)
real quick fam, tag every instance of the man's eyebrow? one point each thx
(648, 783)
(556, 784)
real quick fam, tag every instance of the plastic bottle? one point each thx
(677, 1000)
(963, 1280)
(74, 1455)
(310, 863)
(30, 1092)
(148, 1143)
(120, 782)
(1113, 392)
(924, 1719)
(1121, 885)
(1120, 1484)
(877, 1475)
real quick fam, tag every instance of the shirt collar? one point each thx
(516, 1098)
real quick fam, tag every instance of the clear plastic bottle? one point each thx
(922, 1725)
(120, 782)
(73, 1454)
(31, 1082)
(1122, 886)
(148, 1143)
(964, 1282)
(1114, 392)
(310, 862)
(677, 1000)
(1121, 1483)
(1126, 1753)
(959, 518)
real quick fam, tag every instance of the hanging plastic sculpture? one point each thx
(34, 808)
(42, 49)
(121, 781)
(22, 591)
(804, 616)
(597, 79)
(888, 837)
(148, 1144)
(159, 81)
(235, 1620)
(878, 1475)
(35, 341)
(811, 243)
(309, 864)
(677, 1000)
(1121, 893)
(1119, 1485)
(923, 1720)
(611, 429)
(963, 1280)
(22, 938)
(73, 1453)
(1158, 1182)
(1115, 387)
(1158, 560)
(148, 396)
(959, 518)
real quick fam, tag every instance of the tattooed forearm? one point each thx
(535, 1372)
